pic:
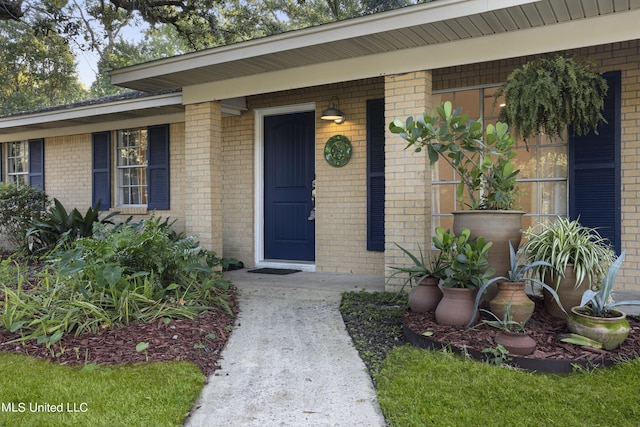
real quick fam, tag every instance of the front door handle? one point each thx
(312, 214)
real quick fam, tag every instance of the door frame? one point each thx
(258, 167)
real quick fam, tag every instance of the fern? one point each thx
(546, 95)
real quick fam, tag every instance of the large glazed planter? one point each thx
(610, 331)
(499, 227)
(568, 294)
(512, 295)
(425, 296)
(457, 307)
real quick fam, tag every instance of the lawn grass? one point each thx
(422, 388)
(149, 394)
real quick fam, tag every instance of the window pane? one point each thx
(553, 198)
(443, 198)
(525, 160)
(469, 100)
(527, 200)
(18, 162)
(131, 158)
(553, 162)
(444, 221)
(491, 109)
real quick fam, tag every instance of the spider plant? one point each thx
(567, 242)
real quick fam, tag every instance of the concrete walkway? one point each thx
(290, 360)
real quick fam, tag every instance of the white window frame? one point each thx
(141, 141)
(17, 177)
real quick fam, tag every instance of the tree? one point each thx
(171, 27)
(157, 43)
(36, 70)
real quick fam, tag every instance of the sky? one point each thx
(87, 61)
(86, 66)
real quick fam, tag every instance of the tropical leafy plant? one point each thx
(119, 275)
(483, 160)
(599, 302)
(546, 95)
(566, 242)
(468, 266)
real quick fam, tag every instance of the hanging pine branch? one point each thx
(546, 95)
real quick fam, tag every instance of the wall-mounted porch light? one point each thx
(332, 113)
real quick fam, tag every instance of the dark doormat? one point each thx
(280, 271)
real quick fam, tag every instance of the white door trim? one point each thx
(258, 167)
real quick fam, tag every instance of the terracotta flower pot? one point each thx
(512, 294)
(516, 343)
(457, 307)
(568, 294)
(610, 331)
(425, 296)
(499, 227)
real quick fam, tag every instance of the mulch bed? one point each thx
(542, 327)
(200, 341)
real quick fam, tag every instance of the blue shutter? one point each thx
(594, 171)
(375, 175)
(158, 167)
(101, 170)
(36, 163)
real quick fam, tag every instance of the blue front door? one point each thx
(289, 170)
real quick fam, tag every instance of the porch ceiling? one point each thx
(432, 23)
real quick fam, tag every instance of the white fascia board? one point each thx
(94, 127)
(84, 111)
(425, 13)
(570, 35)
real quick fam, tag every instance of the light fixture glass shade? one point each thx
(332, 113)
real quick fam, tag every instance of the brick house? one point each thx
(229, 141)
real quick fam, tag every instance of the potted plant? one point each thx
(578, 255)
(512, 296)
(596, 318)
(467, 270)
(426, 274)
(483, 160)
(512, 334)
(550, 93)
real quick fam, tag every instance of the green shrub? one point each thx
(121, 274)
(18, 204)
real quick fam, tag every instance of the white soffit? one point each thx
(95, 116)
(382, 32)
(571, 35)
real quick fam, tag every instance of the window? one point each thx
(18, 162)
(543, 166)
(141, 166)
(131, 165)
(25, 162)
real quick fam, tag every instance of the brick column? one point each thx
(203, 174)
(407, 174)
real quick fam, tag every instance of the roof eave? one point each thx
(141, 76)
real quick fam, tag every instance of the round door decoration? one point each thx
(337, 151)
